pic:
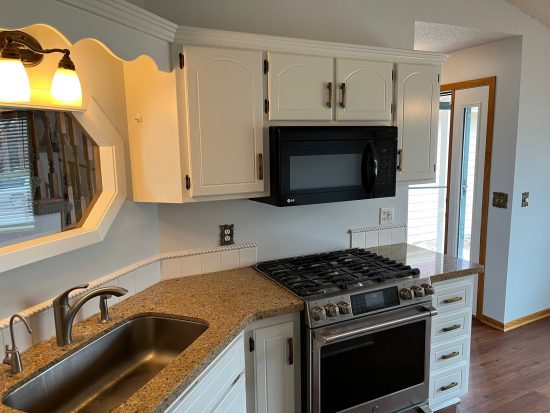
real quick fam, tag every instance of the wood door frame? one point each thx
(452, 88)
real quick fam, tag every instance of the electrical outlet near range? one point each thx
(227, 234)
(386, 216)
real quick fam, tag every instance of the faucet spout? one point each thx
(65, 313)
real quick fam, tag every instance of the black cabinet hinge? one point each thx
(393, 75)
(251, 344)
(438, 78)
(182, 60)
(266, 105)
(391, 108)
(187, 182)
(266, 66)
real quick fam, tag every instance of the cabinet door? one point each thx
(364, 90)
(235, 400)
(225, 120)
(300, 87)
(417, 121)
(274, 368)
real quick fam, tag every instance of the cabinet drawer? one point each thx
(211, 387)
(453, 297)
(450, 326)
(448, 384)
(450, 353)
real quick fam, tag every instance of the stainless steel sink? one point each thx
(108, 370)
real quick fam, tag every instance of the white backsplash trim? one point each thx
(370, 237)
(135, 278)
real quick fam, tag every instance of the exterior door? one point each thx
(467, 173)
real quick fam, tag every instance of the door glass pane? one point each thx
(467, 181)
(325, 171)
(427, 203)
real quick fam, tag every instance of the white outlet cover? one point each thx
(386, 216)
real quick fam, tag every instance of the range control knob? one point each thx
(331, 310)
(428, 288)
(418, 291)
(318, 313)
(406, 294)
(344, 307)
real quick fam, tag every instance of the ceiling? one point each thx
(537, 9)
(444, 38)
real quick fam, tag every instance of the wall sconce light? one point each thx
(20, 50)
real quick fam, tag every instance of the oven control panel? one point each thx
(340, 308)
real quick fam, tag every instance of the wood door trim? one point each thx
(452, 88)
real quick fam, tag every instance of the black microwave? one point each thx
(320, 164)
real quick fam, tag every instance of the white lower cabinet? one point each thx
(451, 338)
(273, 365)
(220, 388)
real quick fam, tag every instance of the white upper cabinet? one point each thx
(300, 87)
(364, 90)
(417, 122)
(225, 120)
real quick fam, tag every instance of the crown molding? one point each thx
(195, 36)
(127, 14)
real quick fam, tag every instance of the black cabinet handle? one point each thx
(290, 342)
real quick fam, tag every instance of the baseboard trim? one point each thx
(519, 322)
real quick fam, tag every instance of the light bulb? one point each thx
(14, 81)
(66, 89)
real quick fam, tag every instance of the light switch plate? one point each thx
(500, 200)
(386, 216)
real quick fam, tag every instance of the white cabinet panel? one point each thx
(225, 120)
(274, 368)
(213, 387)
(368, 90)
(417, 121)
(235, 400)
(298, 87)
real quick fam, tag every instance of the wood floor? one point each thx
(510, 372)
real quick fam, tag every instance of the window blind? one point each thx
(16, 208)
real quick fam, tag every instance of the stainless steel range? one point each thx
(367, 330)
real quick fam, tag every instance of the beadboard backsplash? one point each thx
(134, 278)
(370, 237)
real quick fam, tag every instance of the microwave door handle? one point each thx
(369, 169)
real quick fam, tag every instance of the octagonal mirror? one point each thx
(49, 170)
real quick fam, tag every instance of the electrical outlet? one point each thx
(227, 234)
(386, 216)
(524, 199)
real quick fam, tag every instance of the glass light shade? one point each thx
(66, 89)
(14, 81)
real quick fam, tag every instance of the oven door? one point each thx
(379, 363)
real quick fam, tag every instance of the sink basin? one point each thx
(108, 370)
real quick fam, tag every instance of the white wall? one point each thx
(279, 232)
(503, 60)
(132, 237)
(390, 23)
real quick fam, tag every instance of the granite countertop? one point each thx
(433, 265)
(227, 301)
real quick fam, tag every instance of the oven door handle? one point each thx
(427, 311)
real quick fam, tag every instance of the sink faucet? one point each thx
(13, 358)
(64, 313)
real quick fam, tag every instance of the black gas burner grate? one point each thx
(334, 271)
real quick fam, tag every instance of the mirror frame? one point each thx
(101, 216)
